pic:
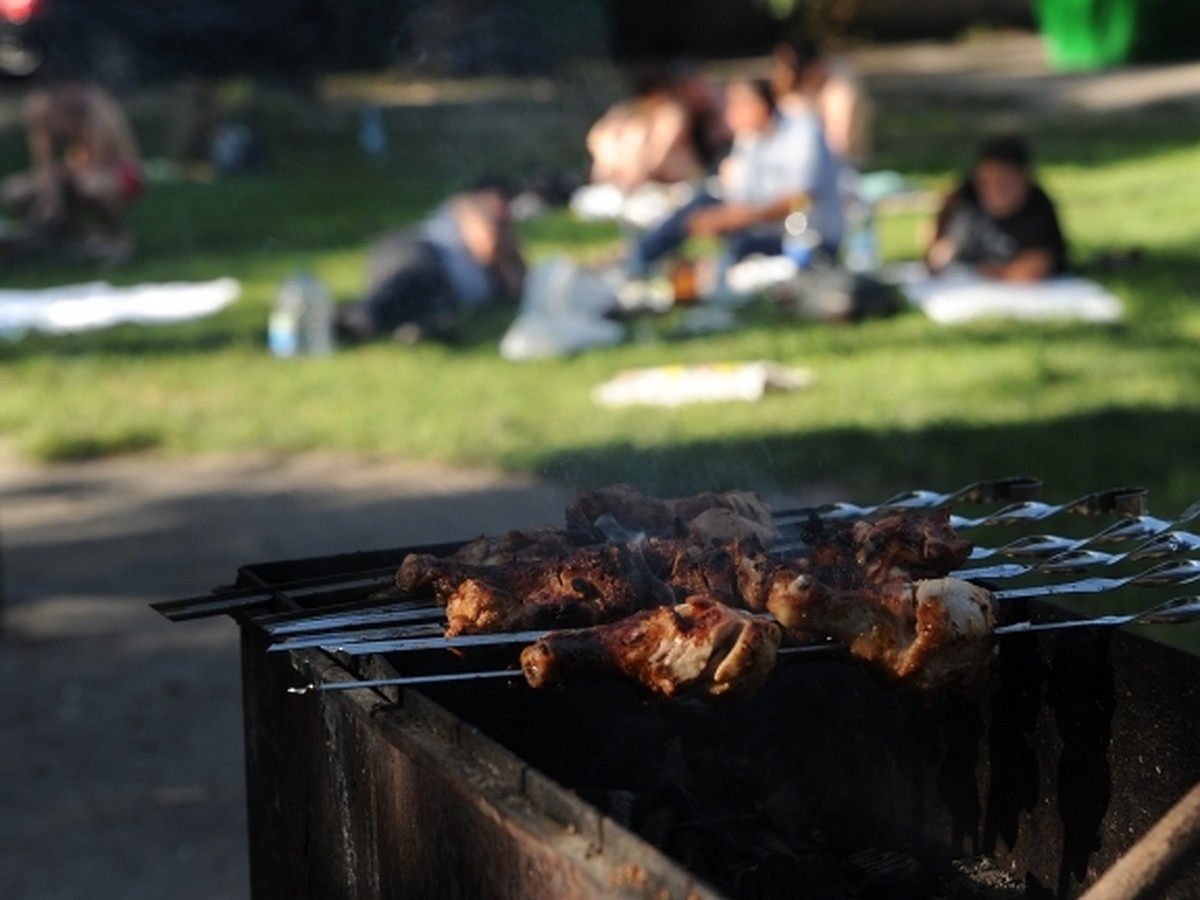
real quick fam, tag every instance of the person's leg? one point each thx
(740, 244)
(22, 195)
(666, 236)
(99, 199)
(416, 291)
(102, 190)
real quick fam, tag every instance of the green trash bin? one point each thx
(1088, 34)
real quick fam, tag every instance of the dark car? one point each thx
(125, 42)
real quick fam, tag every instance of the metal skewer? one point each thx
(427, 634)
(352, 647)
(1077, 557)
(1176, 611)
(402, 680)
(1177, 572)
(1015, 489)
(408, 611)
(231, 600)
(1125, 501)
(419, 615)
(1128, 502)
(343, 639)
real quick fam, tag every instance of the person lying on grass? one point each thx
(422, 279)
(1000, 222)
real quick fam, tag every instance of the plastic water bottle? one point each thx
(800, 241)
(372, 138)
(301, 323)
(862, 246)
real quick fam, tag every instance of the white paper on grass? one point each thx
(709, 383)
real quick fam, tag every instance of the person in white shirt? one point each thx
(806, 80)
(778, 166)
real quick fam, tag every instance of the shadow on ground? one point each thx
(120, 733)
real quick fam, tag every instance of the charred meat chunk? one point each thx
(927, 634)
(589, 585)
(700, 646)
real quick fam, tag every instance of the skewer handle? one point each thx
(403, 680)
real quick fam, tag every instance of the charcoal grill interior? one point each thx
(825, 784)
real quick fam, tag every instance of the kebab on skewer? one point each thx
(577, 586)
(656, 604)
(926, 635)
(587, 586)
(702, 517)
(685, 610)
(700, 646)
(621, 512)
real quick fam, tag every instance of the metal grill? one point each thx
(1071, 750)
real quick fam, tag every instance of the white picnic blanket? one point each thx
(958, 296)
(98, 304)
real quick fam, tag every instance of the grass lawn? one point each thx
(898, 403)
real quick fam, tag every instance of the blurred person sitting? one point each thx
(648, 152)
(421, 280)
(777, 166)
(647, 138)
(805, 79)
(85, 170)
(999, 222)
(704, 102)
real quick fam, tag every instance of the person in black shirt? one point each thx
(1000, 222)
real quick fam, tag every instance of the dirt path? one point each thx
(120, 733)
(1014, 66)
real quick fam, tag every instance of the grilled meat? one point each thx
(589, 585)
(704, 517)
(546, 542)
(700, 646)
(903, 545)
(925, 634)
(621, 577)
(874, 586)
(690, 568)
(909, 546)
